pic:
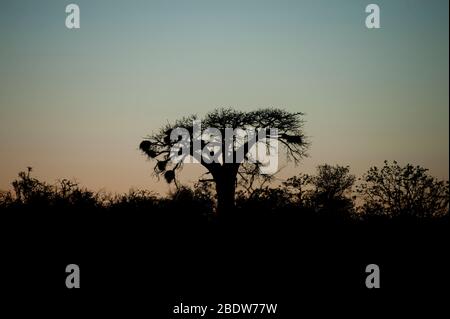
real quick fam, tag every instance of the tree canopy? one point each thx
(289, 135)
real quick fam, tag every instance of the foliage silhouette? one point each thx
(332, 190)
(390, 193)
(225, 175)
(404, 192)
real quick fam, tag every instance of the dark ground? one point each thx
(135, 263)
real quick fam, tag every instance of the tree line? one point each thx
(388, 192)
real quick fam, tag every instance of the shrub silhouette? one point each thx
(30, 191)
(392, 192)
(408, 191)
(133, 201)
(332, 190)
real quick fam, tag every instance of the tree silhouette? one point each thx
(332, 187)
(407, 191)
(224, 174)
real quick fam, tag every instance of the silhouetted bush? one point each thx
(133, 201)
(390, 192)
(332, 191)
(263, 200)
(403, 192)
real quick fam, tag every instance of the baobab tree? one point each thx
(165, 145)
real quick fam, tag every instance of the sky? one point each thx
(77, 103)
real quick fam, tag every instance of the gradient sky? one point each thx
(76, 103)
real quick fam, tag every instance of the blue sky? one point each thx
(76, 103)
